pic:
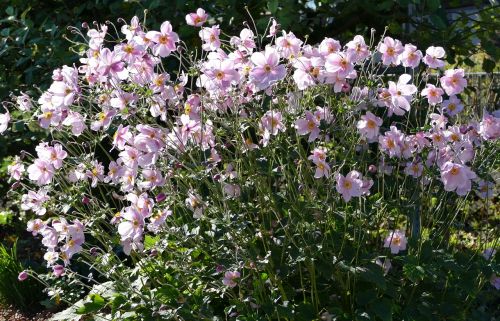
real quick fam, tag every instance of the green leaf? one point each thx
(383, 309)
(433, 5)
(438, 21)
(9, 11)
(150, 241)
(488, 65)
(414, 273)
(272, 6)
(97, 303)
(373, 273)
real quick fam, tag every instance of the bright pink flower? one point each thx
(396, 241)
(411, 56)
(308, 125)
(457, 177)
(58, 270)
(369, 126)
(390, 50)
(165, 40)
(230, 278)
(210, 38)
(453, 81)
(41, 171)
(433, 56)
(196, 19)
(349, 186)
(452, 106)
(267, 69)
(434, 94)
(401, 94)
(22, 276)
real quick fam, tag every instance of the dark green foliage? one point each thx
(26, 294)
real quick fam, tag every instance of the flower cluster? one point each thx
(157, 128)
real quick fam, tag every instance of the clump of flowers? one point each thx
(238, 151)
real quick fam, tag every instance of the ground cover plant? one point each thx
(259, 177)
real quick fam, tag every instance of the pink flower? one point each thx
(349, 186)
(16, 169)
(329, 46)
(457, 177)
(22, 276)
(35, 226)
(401, 94)
(433, 94)
(432, 57)
(267, 69)
(414, 169)
(452, 106)
(4, 122)
(485, 189)
(411, 56)
(152, 179)
(58, 270)
(196, 19)
(357, 48)
(489, 128)
(110, 63)
(308, 125)
(104, 119)
(55, 155)
(390, 50)
(322, 169)
(41, 171)
(453, 81)
(369, 125)
(273, 29)
(210, 38)
(34, 201)
(121, 137)
(76, 121)
(271, 123)
(392, 142)
(230, 278)
(340, 63)
(288, 45)
(165, 40)
(132, 223)
(130, 31)
(396, 241)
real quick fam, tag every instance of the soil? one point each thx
(9, 313)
